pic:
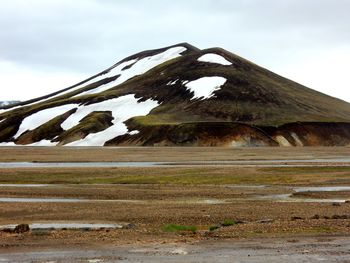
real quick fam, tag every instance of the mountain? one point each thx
(180, 96)
(6, 103)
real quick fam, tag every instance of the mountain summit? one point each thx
(180, 96)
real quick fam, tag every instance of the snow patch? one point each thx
(107, 75)
(41, 117)
(43, 143)
(7, 144)
(117, 70)
(122, 108)
(214, 58)
(138, 68)
(170, 83)
(114, 70)
(134, 132)
(205, 87)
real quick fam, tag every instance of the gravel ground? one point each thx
(330, 249)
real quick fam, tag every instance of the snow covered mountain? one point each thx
(8, 103)
(180, 95)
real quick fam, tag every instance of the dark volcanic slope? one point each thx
(181, 95)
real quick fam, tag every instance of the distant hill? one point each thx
(8, 103)
(180, 96)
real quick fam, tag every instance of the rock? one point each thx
(315, 217)
(7, 230)
(179, 251)
(129, 226)
(347, 202)
(264, 221)
(296, 218)
(339, 217)
(21, 228)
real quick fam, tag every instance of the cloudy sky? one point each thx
(47, 45)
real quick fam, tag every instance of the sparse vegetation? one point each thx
(179, 228)
(179, 175)
(213, 228)
(228, 223)
(225, 223)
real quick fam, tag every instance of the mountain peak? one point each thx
(180, 95)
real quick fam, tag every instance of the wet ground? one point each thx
(237, 192)
(95, 211)
(257, 250)
(307, 162)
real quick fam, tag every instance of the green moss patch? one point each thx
(179, 228)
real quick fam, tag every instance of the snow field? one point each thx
(138, 68)
(123, 108)
(41, 117)
(204, 87)
(214, 58)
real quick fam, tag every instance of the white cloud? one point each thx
(23, 83)
(324, 70)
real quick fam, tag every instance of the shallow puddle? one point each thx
(290, 198)
(211, 201)
(41, 200)
(75, 200)
(77, 164)
(321, 189)
(24, 185)
(282, 197)
(62, 200)
(60, 226)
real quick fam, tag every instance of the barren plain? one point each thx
(188, 202)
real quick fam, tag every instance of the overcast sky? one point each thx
(47, 45)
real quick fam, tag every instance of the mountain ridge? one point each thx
(181, 88)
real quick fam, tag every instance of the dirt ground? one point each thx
(151, 198)
(274, 250)
(166, 154)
